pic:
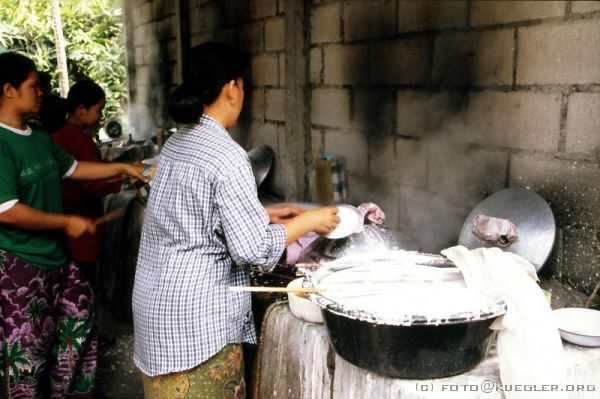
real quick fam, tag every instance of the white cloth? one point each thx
(499, 232)
(530, 351)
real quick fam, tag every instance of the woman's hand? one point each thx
(323, 220)
(282, 213)
(76, 226)
(135, 171)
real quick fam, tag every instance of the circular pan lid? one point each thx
(530, 213)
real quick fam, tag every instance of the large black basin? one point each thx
(413, 352)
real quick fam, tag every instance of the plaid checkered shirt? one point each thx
(202, 225)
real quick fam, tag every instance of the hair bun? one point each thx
(184, 104)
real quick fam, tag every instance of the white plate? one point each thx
(580, 326)
(352, 220)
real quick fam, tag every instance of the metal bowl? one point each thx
(261, 159)
(579, 326)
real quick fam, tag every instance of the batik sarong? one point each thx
(220, 377)
(47, 335)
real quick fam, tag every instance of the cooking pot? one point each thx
(404, 315)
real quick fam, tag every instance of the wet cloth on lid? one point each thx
(373, 213)
(530, 350)
(500, 232)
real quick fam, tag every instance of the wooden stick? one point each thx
(590, 300)
(277, 289)
(117, 213)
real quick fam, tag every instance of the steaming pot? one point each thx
(403, 314)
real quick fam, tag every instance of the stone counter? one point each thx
(296, 361)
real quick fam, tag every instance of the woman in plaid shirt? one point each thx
(203, 225)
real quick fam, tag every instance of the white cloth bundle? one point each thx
(530, 351)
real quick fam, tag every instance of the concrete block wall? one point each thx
(457, 100)
(256, 26)
(434, 104)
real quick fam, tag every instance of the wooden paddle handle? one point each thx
(117, 213)
(277, 289)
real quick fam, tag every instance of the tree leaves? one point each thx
(93, 31)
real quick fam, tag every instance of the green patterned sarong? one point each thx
(222, 376)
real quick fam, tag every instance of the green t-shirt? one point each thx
(31, 168)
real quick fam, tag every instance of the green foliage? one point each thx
(93, 36)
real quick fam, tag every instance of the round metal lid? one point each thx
(261, 159)
(530, 213)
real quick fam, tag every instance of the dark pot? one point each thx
(413, 342)
(412, 352)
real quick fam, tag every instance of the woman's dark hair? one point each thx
(14, 69)
(86, 93)
(210, 66)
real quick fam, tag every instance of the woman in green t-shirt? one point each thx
(46, 312)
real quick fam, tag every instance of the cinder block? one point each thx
(142, 75)
(265, 134)
(477, 58)
(585, 6)
(471, 174)
(402, 61)
(433, 222)
(275, 34)
(236, 12)
(172, 50)
(524, 120)
(262, 8)
(139, 55)
(264, 70)
(373, 20)
(398, 162)
(431, 15)
(561, 53)
(330, 107)
(583, 123)
(325, 23)
(572, 188)
(581, 254)
(256, 103)
(317, 142)
(140, 35)
(498, 12)
(352, 146)
(142, 93)
(282, 140)
(281, 69)
(151, 54)
(420, 113)
(195, 20)
(316, 64)
(165, 28)
(346, 64)
(374, 110)
(251, 37)
(275, 104)
(162, 8)
(145, 11)
(211, 17)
